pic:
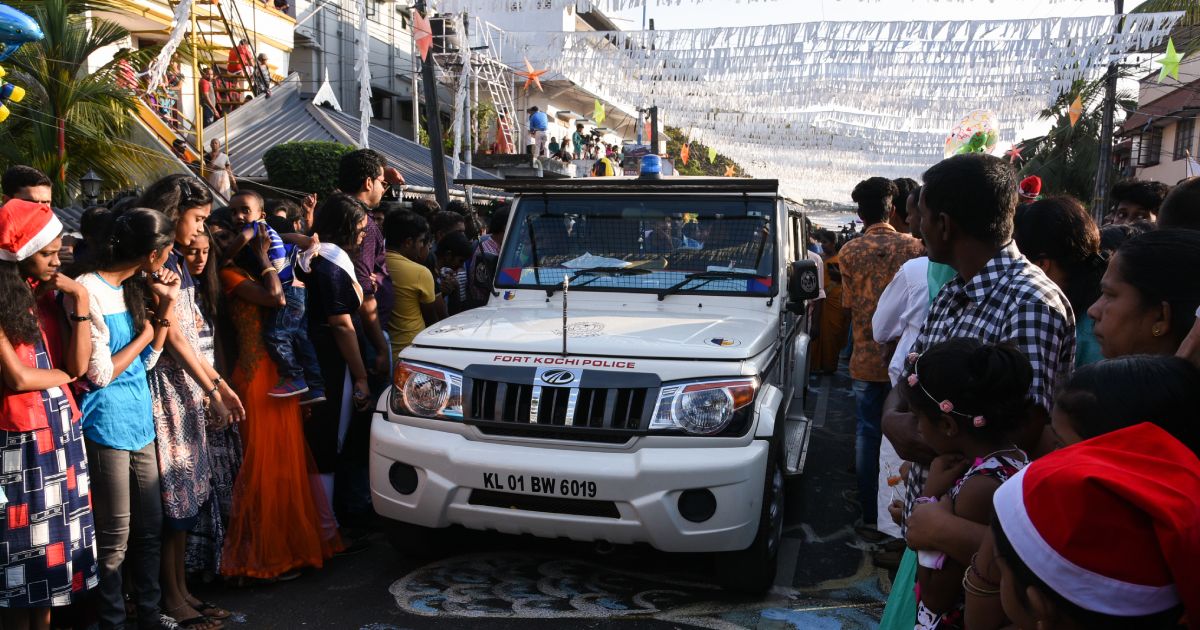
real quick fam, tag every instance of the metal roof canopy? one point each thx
(630, 185)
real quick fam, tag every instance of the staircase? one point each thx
(494, 78)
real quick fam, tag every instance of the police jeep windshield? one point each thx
(722, 245)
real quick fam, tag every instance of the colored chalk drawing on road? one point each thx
(519, 586)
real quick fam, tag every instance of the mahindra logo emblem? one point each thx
(558, 377)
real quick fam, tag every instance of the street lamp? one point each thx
(90, 183)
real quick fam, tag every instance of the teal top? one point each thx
(1087, 347)
(938, 275)
(117, 410)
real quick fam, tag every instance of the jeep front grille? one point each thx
(618, 408)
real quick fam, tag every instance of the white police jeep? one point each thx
(637, 377)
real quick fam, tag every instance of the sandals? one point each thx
(201, 621)
(211, 610)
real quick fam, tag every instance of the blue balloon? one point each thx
(16, 29)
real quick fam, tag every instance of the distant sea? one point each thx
(831, 219)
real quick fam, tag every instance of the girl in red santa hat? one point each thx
(968, 397)
(1103, 534)
(47, 533)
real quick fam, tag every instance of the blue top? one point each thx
(1087, 347)
(279, 253)
(117, 412)
(538, 121)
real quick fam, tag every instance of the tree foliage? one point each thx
(73, 119)
(1068, 157)
(310, 166)
(698, 164)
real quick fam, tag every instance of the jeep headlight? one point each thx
(426, 391)
(702, 407)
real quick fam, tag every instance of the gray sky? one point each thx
(732, 13)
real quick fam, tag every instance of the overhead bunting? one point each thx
(1170, 63)
(806, 102)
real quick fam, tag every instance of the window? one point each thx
(1151, 147)
(381, 107)
(1185, 130)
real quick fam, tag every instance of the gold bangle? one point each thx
(264, 272)
(971, 588)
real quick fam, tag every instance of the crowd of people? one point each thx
(1026, 390)
(580, 145)
(190, 396)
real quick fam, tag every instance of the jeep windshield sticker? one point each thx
(565, 361)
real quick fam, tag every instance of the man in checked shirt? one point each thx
(998, 296)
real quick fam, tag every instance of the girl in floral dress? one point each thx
(967, 397)
(181, 385)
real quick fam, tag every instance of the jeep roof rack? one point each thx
(629, 184)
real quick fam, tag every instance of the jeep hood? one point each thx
(716, 334)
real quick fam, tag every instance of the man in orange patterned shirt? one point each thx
(868, 264)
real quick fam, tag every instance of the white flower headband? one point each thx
(945, 405)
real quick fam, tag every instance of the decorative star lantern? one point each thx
(598, 112)
(531, 76)
(712, 155)
(729, 171)
(1014, 153)
(1076, 110)
(422, 34)
(1170, 63)
(684, 154)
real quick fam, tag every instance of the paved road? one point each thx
(481, 580)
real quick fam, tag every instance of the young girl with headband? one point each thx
(967, 396)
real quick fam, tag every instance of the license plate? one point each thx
(540, 484)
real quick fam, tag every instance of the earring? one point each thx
(1156, 331)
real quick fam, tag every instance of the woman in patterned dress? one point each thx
(224, 445)
(179, 385)
(47, 529)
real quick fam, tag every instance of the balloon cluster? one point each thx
(16, 29)
(9, 93)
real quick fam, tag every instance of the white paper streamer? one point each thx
(823, 105)
(362, 57)
(179, 27)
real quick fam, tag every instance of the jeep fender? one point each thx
(769, 406)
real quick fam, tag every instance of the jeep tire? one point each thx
(752, 570)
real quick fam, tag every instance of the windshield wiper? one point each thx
(705, 277)
(599, 272)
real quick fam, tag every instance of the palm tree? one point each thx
(72, 119)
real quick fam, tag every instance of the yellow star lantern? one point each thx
(1076, 110)
(531, 76)
(1170, 63)
(598, 112)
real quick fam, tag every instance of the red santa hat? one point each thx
(1112, 524)
(25, 228)
(1031, 187)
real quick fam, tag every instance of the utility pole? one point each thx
(433, 124)
(412, 73)
(640, 111)
(1104, 171)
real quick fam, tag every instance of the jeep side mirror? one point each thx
(803, 284)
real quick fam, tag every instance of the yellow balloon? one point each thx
(3, 113)
(18, 94)
(2, 72)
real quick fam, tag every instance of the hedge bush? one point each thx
(310, 166)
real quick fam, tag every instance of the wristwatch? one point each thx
(80, 318)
